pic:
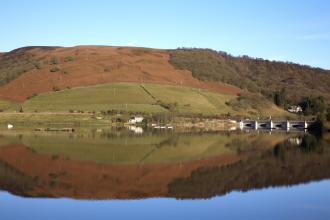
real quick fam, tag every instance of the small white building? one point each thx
(135, 119)
(295, 109)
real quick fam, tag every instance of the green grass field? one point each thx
(129, 97)
(132, 97)
(122, 96)
(65, 119)
(8, 106)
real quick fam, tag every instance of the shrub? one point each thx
(168, 106)
(108, 69)
(68, 59)
(279, 98)
(313, 105)
(31, 96)
(55, 60)
(328, 114)
(55, 69)
(55, 156)
(39, 65)
(56, 88)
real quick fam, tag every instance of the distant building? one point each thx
(295, 109)
(135, 119)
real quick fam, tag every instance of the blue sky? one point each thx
(296, 30)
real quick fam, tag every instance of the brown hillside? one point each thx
(32, 70)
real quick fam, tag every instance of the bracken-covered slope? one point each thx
(28, 71)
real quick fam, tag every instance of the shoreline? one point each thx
(65, 120)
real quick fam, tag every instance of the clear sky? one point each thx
(288, 30)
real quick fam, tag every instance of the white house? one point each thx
(135, 119)
(295, 109)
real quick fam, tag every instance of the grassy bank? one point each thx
(34, 119)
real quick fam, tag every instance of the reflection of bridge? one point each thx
(274, 124)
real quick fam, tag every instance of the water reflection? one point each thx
(295, 160)
(105, 164)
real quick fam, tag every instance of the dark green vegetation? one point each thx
(19, 61)
(314, 105)
(285, 83)
(15, 63)
(15, 181)
(284, 165)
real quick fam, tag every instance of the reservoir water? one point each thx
(119, 174)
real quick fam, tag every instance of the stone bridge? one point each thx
(274, 124)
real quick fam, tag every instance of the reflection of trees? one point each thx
(279, 151)
(282, 166)
(14, 181)
(311, 144)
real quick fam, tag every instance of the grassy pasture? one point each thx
(130, 97)
(134, 97)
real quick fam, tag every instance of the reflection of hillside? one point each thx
(284, 165)
(156, 148)
(61, 170)
(56, 176)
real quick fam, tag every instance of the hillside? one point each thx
(193, 81)
(256, 75)
(28, 71)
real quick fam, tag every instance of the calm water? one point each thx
(106, 174)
